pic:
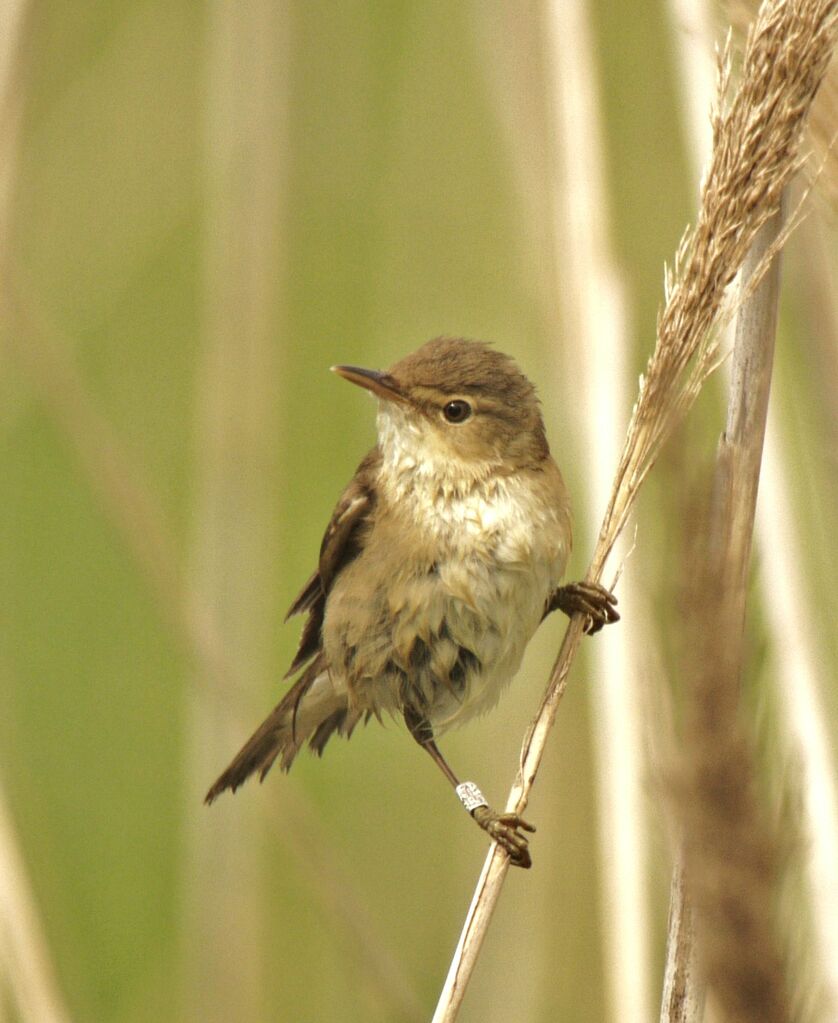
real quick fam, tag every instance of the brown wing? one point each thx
(341, 544)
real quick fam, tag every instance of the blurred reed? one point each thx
(27, 976)
(597, 357)
(787, 597)
(387, 127)
(234, 540)
(515, 60)
(130, 501)
(733, 852)
(682, 998)
(756, 137)
(562, 190)
(235, 559)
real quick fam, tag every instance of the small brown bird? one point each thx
(442, 557)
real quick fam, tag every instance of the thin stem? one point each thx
(491, 879)
(750, 386)
(682, 1000)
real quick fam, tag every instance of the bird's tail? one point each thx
(311, 711)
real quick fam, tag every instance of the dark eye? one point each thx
(457, 411)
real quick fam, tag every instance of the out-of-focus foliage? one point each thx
(398, 214)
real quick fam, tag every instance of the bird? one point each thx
(443, 555)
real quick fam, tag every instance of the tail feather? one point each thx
(310, 710)
(343, 721)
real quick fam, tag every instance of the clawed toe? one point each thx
(590, 599)
(514, 821)
(504, 829)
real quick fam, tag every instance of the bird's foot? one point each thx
(590, 599)
(504, 829)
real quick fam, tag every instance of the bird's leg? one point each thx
(502, 827)
(590, 599)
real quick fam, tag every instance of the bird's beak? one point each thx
(380, 383)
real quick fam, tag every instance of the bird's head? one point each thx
(456, 405)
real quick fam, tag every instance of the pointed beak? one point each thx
(380, 383)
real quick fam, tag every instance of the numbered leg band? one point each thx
(470, 796)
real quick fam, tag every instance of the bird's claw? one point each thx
(590, 599)
(504, 829)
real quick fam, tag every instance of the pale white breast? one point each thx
(506, 548)
(474, 506)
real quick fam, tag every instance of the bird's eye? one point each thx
(457, 411)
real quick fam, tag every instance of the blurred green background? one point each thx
(207, 206)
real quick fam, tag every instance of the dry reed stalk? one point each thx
(756, 138)
(787, 602)
(593, 314)
(682, 1000)
(733, 858)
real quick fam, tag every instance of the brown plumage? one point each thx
(279, 732)
(440, 560)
